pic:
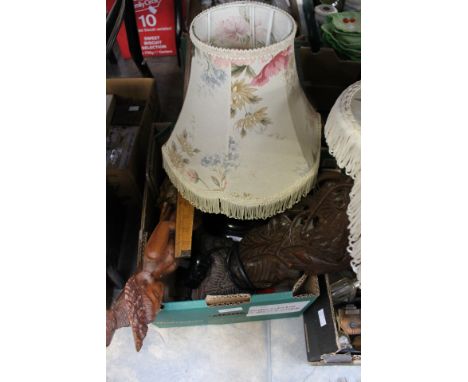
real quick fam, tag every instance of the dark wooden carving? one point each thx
(309, 238)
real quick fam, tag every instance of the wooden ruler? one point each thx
(184, 227)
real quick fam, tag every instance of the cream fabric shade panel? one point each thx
(247, 141)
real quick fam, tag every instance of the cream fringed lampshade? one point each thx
(343, 135)
(247, 141)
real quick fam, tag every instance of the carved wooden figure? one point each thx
(140, 300)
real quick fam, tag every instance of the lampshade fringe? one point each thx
(346, 150)
(232, 207)
(354, 215)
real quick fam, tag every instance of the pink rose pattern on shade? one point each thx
(277, 63)
(193, 175)
(234, 29)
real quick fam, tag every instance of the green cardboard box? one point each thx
(225, 309)
(228, 309)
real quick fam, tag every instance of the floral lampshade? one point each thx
(247, 142)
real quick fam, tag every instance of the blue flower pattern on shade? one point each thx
(211, 160)
(233, 154)
(227, 161)
(212, 76)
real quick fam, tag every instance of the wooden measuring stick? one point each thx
(184, 226)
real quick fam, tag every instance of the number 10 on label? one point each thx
(148, 20)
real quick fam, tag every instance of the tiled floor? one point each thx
(266, 351)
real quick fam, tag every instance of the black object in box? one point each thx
(122, 163)
(321, 332)
(128, 112)
(110, 107)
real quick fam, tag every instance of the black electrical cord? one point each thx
(113, 21)
(236, 269)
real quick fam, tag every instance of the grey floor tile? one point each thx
(268, 351)
(236, 352)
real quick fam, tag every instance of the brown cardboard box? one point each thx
(138, 89)
(324, 76)
(136, 108)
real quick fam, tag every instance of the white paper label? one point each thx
(321, 315)
(289, 307)
(235, 238)
(238, 309)
(134, 108)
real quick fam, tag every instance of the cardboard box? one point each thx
(139, 90)
(321, 331)
(136, 108)
(216, 309)
(324, 76)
